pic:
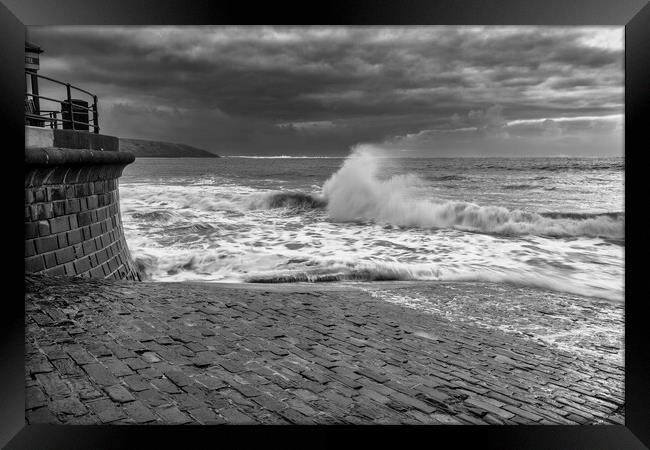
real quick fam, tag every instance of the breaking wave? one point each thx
(291, 200)
(577, 165)
(395, 271)
(356, 193)
(316, 270)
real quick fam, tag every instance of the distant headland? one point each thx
(155, 149)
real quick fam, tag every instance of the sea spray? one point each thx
(355, 192)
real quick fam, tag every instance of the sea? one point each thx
(552, 223)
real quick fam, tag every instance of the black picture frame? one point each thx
(633, 14)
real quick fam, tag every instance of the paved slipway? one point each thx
(118, 352)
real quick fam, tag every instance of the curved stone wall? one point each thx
(72, 213)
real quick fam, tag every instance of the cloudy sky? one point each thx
(416, 91)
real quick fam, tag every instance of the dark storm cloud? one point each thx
(322, 89)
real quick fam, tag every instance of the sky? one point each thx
(413, 91)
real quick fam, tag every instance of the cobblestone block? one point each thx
(68, 405)
(106, 410)
(139, 412)
(34, 398)
(173, 416)
(119, 394)
(100, 374)
(236, 417)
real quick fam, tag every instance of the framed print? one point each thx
(367, 216)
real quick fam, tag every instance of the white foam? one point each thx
(356, 192)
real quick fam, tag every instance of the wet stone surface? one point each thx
(120, 352)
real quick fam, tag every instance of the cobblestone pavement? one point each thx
(121, 352)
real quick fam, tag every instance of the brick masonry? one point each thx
(73, 225)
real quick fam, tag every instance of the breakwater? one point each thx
(72, 214)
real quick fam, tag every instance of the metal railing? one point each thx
(35, 115)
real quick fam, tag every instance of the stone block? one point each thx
(44, 211)
(41, 415)
(55, 271)
(29, 196)
(165, 385)
(31, 230)
(106, 410)
(84, 218)
(59, 208)
(119, 394)
(89, 247)
(100, 374)
(91, 202)
(65, 255)
(101, 214)
(82, 265)
(34, 397)
(139, 412)
(173, 416)
(206, 416)
(46, 244)
(53, 385)
(68, 406)
(236, 417)
(95, 229)
(34, 264)
(30, 248)
(39, 195)
(71, 206)
(97, 272)
(137, 383)
(59, 224)
(74, 237)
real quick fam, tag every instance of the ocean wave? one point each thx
(582, 216)
(197, 227)
(218, 266)
(340, 271)
(366, 271)
(355, 192)
(286, 199)
(448, 178)
(518, 187)
(188, 265)
(574, 165)
(154, 216)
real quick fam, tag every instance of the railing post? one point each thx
(37, 101)
(67, 86)
(95, 120)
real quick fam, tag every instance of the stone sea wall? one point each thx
(72, 214)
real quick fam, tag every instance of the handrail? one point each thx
(88, 108)
(67, 107)
(62, 83)
(52, 119)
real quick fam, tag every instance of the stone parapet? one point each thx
(47, 137)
